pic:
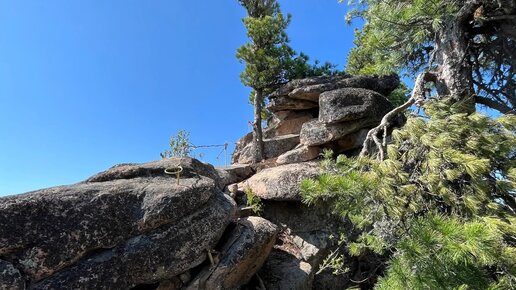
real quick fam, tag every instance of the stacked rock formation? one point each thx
(135, 227)
(308, 116)
(321, 112)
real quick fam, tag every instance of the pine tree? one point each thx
(270, 61)
(266, 57)
(438, 211)
(465, 47)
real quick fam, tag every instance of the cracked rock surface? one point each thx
(132, 224)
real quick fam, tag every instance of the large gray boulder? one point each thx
(350, 104)
(383, 85)
(315, 132)
(299, 83)
(281, 183)
(130, 225)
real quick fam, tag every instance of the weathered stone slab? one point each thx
(281, 183)
(350, 104)
(382, 85)
(299, 83)
(241, 257)
(299, 154)
(235, 173)
(315, 133)
(282, 103)
(148, 258)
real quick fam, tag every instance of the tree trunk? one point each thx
(257, 126)
(453, 75)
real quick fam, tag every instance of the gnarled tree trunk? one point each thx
(454, 71)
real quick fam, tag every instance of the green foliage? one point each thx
(179, 145)
(267, 53)
(253, 201)
(396, 35)
(440, 207)
(299, 67)
(399, 96)
(269, 60)
(401, 36)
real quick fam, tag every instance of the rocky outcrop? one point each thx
(324, 111)
(130, 225)
(327, 113)
(316, 133)
(282, 103)
(287, 122)
(136, 227)
(299, 154)
(310, 88)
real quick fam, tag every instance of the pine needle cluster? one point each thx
(440, 209)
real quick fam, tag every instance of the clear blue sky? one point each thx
(85, 85)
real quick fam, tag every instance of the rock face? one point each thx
(317, 133)
(10, 277)
(325, 112)
(282, 103)
(287, 122)
(241, 256)
(273, 148)
(310, 88)
(350, 104)
(299, 154)
(282, 182)
(285, 271)
(333, 113)
(130, 225)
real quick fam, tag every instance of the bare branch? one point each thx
(494, 105)
(417, 97)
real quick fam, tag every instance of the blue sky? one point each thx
(85, 85)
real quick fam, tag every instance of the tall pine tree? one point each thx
(266, 56)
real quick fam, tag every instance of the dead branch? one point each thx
(417, 98)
